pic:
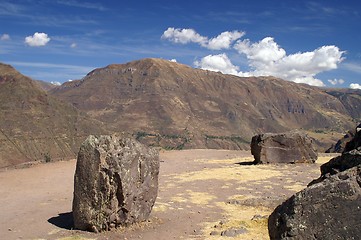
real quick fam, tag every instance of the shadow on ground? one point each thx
(63, 220)
(246, 163)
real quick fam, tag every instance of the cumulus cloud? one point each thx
(218, 62)
(183, 36)
(336, 81)
(5, 37)
(56, 83)
(37, 40)
(355, 86)
(187, 35)
(264, 52)
(265, 57)
(224, 40)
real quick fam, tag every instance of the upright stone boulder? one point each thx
(289, 147)
(115, 183)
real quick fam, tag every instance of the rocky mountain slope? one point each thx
(36, 126)
(175, 106)
(350, 98)
(47, 86)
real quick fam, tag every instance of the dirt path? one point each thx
(202, 193)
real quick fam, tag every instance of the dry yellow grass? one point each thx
(238, 216)
(200, 198)
(244, 178)
(230, 173)
(323, 159)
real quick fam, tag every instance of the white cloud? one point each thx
(183, 36)
(310, 80)
(264, 52)
(265, 58)
(218, 62)
(268, 58)
(336, 81)
(224, 40)
(56, 83)
(355, 86)
(173, 60)
(5, 37)
(37, 40)
(187, 35)
(73, 45)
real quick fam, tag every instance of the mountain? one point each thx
(175, 106)
(47, 86)
(35, 126)
(350, 98)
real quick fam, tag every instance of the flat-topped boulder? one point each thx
(115, 183)
(289, 147)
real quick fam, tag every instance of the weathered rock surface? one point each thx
(326, 210)
(341, 163)
(289, 147)
(329, 208)
(339, 147)
(115, 183)
(348, 142)
(347, 160)
(355, 142)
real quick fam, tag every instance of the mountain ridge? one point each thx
(198, 108)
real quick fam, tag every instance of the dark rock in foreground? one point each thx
(347, 160)
(289, 147)
(355, 141)
(339, 147)
(341, 163)
(329, 208)
(115, 183)
(326, 210)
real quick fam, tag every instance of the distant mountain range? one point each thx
(166, 104)
(176, 106)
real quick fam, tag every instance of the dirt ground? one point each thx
(203, 194)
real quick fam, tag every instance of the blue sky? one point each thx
(315, 42)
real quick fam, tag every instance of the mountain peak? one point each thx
(8, 70)
(147, 63)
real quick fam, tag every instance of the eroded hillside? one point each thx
(175, 106)
(35, 126)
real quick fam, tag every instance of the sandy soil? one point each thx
(202, 193)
